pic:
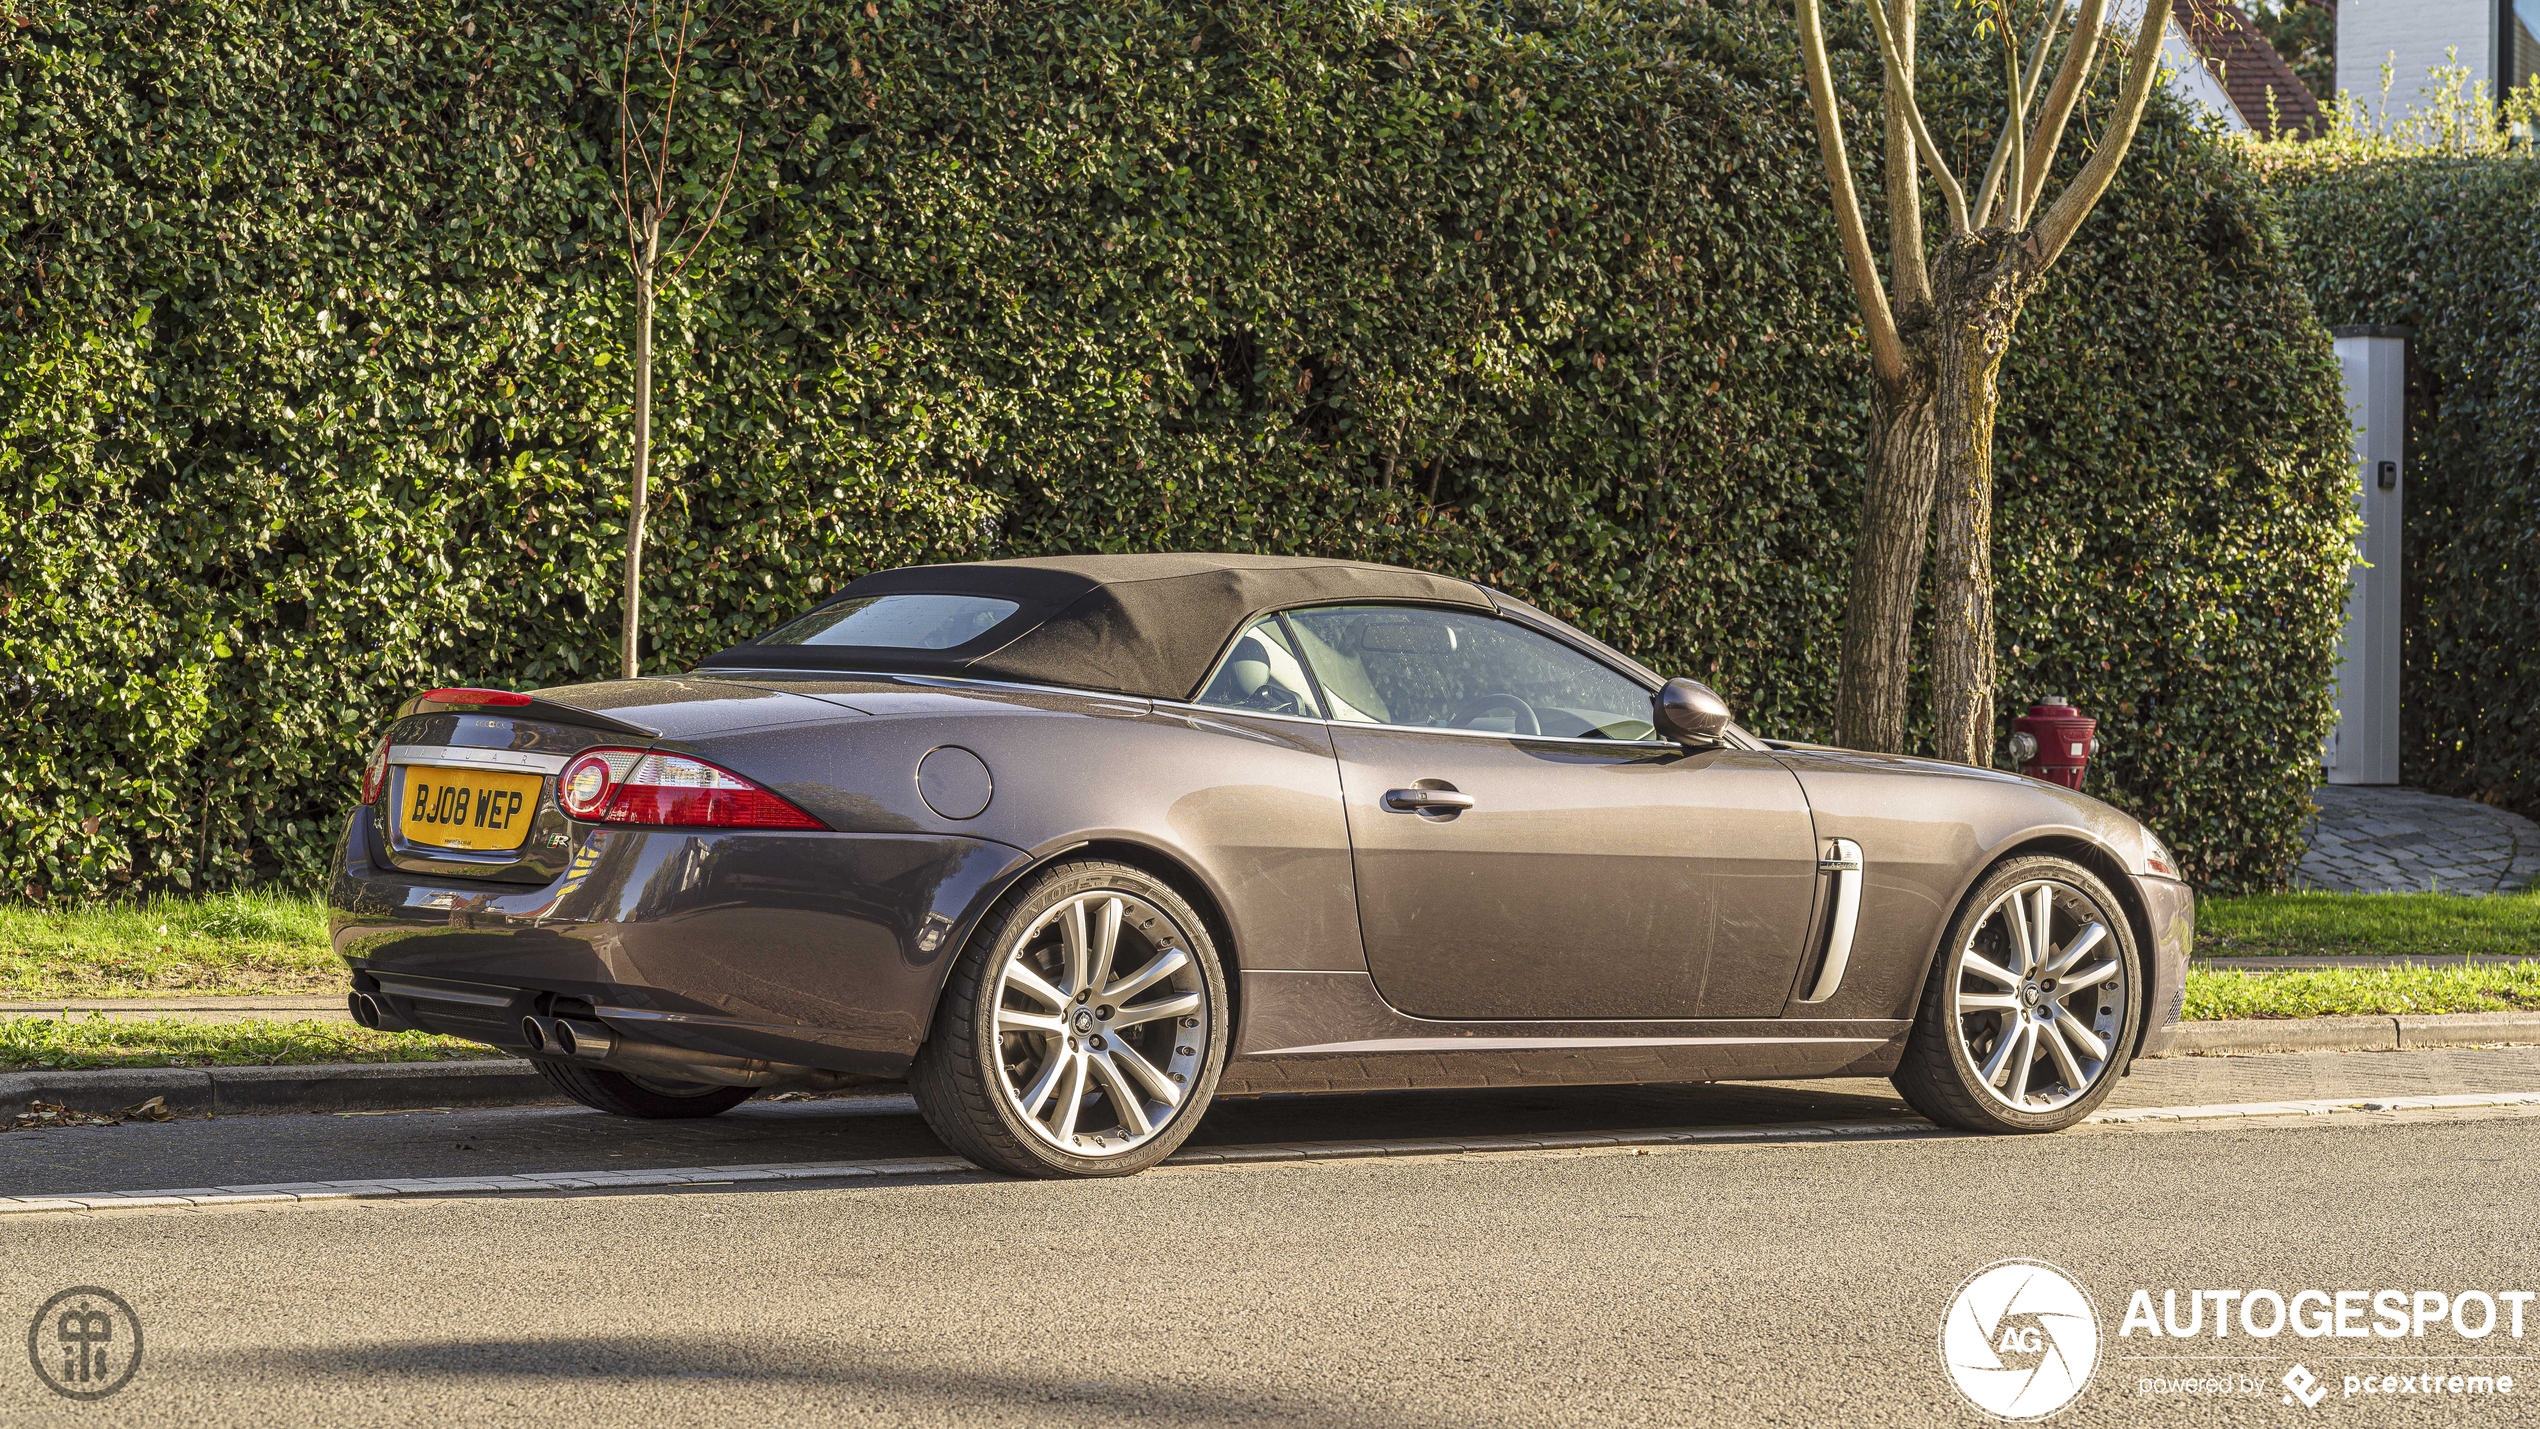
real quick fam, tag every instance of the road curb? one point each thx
(2251, 1036)
(253, 1091)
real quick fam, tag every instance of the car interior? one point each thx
(1434, 669)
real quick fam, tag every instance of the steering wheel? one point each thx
(1276, 699)
(1464, 713)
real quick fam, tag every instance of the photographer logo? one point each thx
(2305, 1385)
(85, 1343)
(2020, 1340)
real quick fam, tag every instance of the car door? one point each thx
(1526, 849)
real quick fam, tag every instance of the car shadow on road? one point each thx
(588, 1366)
(271, 1150)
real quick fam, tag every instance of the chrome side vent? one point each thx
(1841, 862)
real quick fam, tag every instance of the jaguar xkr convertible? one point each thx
(1074, 846)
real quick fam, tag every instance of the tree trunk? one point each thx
(643, 445)
(1978, 288)
(1887, 564)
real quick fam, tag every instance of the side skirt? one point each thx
(1332, 1032)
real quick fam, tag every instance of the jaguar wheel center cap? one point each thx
(1083, 1021)
(2029, 994)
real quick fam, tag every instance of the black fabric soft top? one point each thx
(1147, 625)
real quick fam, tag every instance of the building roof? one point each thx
(1150, 625)
(2249, 69)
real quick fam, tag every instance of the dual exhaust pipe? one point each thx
(574, 1039)
(374, 1013)
(592, 1044)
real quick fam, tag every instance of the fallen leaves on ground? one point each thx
(44, 1114)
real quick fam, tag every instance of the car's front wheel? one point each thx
(1081, 1032)
(2030, 1012)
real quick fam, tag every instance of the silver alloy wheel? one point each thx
(2041, 994)
(1094, 1060)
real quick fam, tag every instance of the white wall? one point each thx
(2183, 73)
(2189, 79)
(2416, 32)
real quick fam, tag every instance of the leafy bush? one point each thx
(312, 386)
(2444, 244)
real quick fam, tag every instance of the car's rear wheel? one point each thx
(649, 1097)
(1081, 1032)
(2029, 1015)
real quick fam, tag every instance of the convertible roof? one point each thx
(1147, 625)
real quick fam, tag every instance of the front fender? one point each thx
(1928, 831)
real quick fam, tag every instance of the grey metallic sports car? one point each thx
(1074, 846)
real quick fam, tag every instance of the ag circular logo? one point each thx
(85, 1343)
(2020, 1339)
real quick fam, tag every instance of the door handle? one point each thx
(1428, 801)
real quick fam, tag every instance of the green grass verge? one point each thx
(2367, 925)
(50, 1043)
(2334, 992)
(233, 943)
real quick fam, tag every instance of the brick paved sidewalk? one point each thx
(2370, 839)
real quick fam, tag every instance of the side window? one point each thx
(1442, 669)
(1261, 672)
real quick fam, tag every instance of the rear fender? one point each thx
(1121, 847)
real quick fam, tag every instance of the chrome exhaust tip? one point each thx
(583, 1041)
(580, 1039)
(365, 1009)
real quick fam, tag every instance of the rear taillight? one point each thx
(471, 695)
(375, 777)
(584, 787)
(628, 786)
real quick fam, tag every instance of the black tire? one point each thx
(963, 1073)
(1939, 1076)
(603, 1090)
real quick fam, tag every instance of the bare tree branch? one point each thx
(2070, 76)
(721, 193)
(1909, 270)
(2143, 71)
(2015, 97)
(1950, 188)
(2002, 147)
(1878, 324)
(625, 193)
(676, 63)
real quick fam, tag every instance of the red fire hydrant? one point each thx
(2054, 742)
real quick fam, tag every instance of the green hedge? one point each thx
(312, 384)
(2451, 248)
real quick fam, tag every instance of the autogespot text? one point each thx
(2327, 1314)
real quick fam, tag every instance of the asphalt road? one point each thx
(1765, 1284)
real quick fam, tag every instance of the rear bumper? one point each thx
(2170, 907)
(818, 949)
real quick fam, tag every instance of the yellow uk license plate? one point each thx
(474, 809)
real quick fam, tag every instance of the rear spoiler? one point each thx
(472, 700)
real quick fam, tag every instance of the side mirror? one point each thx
(1691, 714)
